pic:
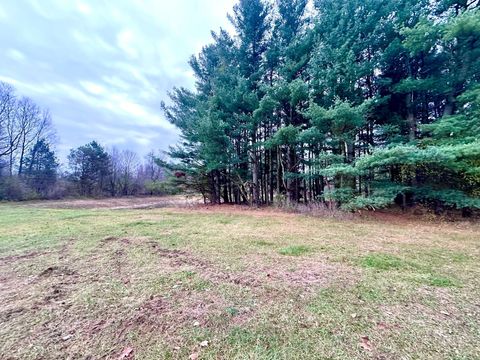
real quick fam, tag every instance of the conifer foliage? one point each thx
(361, 102)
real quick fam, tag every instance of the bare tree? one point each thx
(29, 126)
(22, 125)
(129, 166)
(153, 172)
(9, 134)
(114, 171)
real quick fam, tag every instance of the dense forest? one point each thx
(357, 103)
(351, 104)
(30, 169)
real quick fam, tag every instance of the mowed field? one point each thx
(118, 280)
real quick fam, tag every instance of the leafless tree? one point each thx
(123, 170)
(114, 171)
(22, 125)
(9, 134)
(153, 172)
(29, 127)
(129, 166)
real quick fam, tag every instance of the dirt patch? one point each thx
(179, 258)
(302, 273)
(151, 315)
(310, 274)
(57, 271)
(238, 210)
(169, 317)
(55, 294)
(11, 313)
(113, 239)
(152, 202)
(27, 256)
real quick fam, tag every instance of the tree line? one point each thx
(30, 169)
(358, 103)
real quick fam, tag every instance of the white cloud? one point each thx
(84, 8)
(116, 82)
(125, 41)
(93, 88)
(143, 141)
(103, 67)
(15, 55)
(51, 10)
(92, 43)
(3, 13)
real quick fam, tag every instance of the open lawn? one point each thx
(92, 282)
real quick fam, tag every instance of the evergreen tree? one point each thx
(41, 168)
(361, 103)
(89, 166)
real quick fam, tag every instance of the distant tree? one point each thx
(150, 174)
(152, 171)
(9, 137)
(22, 124)
(89, 165)
(114, 171)
(10, 133)
(41, 168)
(33, 125)
(129, 164)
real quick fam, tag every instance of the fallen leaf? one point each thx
(204, 343)
(126, 353)
(365, 343)
(193, 356)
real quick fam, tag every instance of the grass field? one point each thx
(93, 282)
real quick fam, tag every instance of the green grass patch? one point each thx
(383, 262)
(190, 280)
(295, 250)
(232, 311)
(441, 281)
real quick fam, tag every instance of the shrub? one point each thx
(164, 187)
(13, 188)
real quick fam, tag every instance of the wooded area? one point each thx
(361, 103)
(30, 169)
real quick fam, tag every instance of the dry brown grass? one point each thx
(256, 284)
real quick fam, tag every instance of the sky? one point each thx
(103, 67)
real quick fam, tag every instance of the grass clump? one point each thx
(232, 311)
(295, 250)
(262, 243)
(441, 281)
(383, 262)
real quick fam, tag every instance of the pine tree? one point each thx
(362, 103)
(41, 168)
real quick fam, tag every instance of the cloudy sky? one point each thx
(102, 67)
